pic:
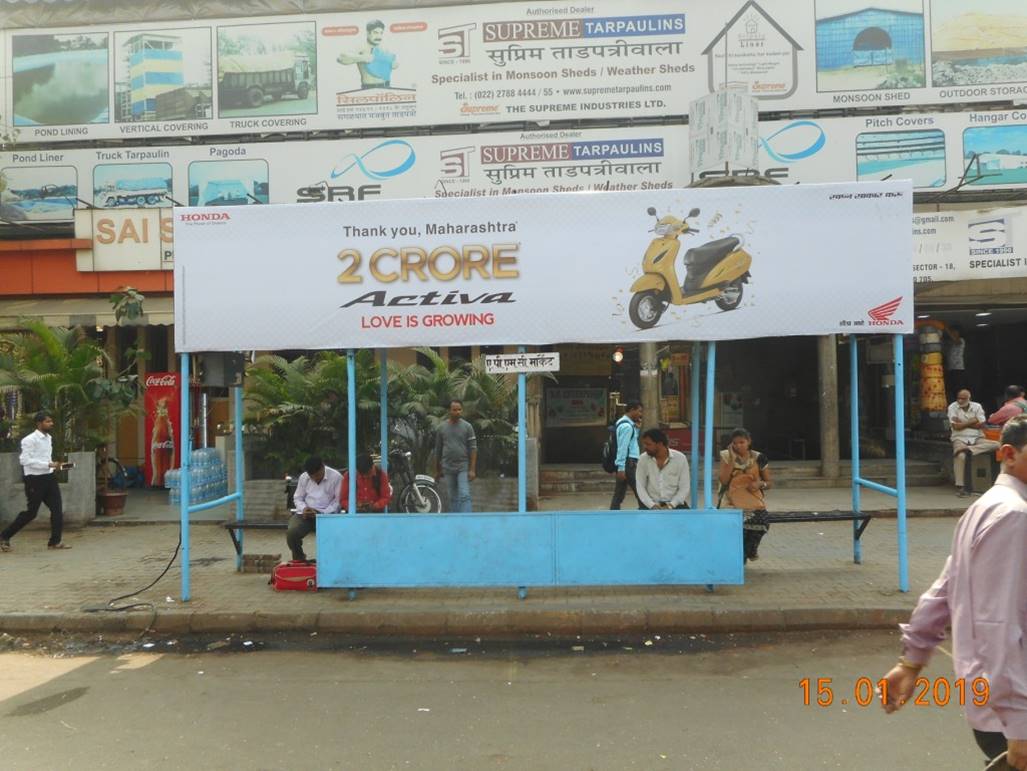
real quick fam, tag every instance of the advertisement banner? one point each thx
(163, 425)
(44, 185)
(502, 62)
(575, 407)
(964, 245)
(934, 150)
(708, 264)
(931, 149)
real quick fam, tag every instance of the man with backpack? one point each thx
(373, 488)
(625, 438)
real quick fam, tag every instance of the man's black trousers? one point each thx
(40, 489)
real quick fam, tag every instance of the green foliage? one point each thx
(298, 408)
(64, 371)
(423, 395)
(128, 304)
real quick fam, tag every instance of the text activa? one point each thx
(443, 263)
(381, 299)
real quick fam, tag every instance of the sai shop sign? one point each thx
(124, 239)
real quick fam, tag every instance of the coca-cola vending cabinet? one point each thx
(163, 425)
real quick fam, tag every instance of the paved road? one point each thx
(703, 703)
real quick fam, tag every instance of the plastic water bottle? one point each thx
(172, 482)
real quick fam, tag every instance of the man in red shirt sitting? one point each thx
(1015, 405)
(373, 488)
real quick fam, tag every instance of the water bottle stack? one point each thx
(173, 481)
(209, 478)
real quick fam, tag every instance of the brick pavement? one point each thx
(804, 579)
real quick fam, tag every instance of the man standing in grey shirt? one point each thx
(456, 456)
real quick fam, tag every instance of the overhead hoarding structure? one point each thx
(490, 63)
(931, 149)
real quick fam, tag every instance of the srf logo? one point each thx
(456, 162)
(455, 42)
(881, 315)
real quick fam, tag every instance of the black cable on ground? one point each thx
(110, 607)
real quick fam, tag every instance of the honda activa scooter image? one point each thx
(714, 271)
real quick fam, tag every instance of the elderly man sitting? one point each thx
(966, 418)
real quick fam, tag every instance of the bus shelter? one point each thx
(534, 271)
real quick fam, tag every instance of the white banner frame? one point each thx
(489, 272)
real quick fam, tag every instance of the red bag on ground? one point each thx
(293, 575)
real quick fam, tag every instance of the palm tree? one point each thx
(298, 408)
(490, 403)
(422, 395)
(64, 371)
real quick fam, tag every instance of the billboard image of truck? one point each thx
(250, 80)
(267, 69)
(117, 185)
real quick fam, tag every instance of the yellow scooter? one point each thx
(715, 271)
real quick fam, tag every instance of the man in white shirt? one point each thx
(317, 492)
(662, 479)
(966, 418)
(41, 485)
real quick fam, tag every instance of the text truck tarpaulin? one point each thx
(543, 269)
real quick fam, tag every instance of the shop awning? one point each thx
(85, 311)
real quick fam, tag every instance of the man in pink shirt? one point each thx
(1015, 405)
(982, 595)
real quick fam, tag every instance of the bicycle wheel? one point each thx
(114, 472)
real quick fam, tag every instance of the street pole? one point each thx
(649, 384)
(827, 383)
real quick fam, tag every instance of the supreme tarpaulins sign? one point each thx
(538, 269)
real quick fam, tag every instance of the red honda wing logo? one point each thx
(883, 312)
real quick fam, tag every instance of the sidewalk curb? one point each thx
(494, 623)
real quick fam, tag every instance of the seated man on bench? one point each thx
(317, 492)
(373, 488)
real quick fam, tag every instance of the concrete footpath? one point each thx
(804, 579)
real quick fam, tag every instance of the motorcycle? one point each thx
(413, 493)
(716, 271)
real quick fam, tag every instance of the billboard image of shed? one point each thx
(862, 47)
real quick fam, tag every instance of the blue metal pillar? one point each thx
(900, 462)
(857, 547)
(186, 445)
(351, 438)
(696, 376)
(240, 474)
(522, 440)
(711, 366)
(383, 408)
